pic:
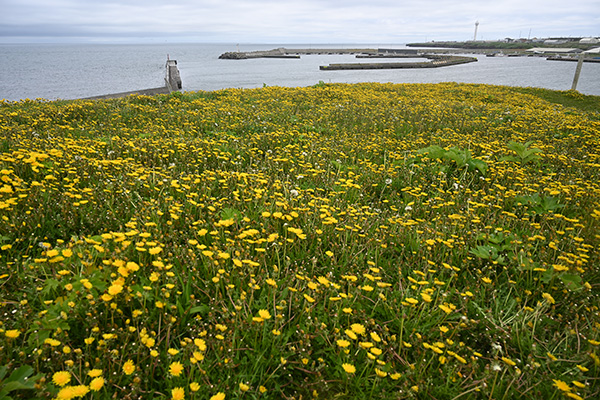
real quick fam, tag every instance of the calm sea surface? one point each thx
(59, 71)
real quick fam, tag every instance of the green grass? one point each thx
(335, 241)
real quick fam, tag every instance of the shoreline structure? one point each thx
(172, 84)
(434, 60)
(436, 57)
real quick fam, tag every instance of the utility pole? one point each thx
(577, 72)
(476, 26)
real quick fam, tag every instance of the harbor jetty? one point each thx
(172, 84)
(574, 59)
(283, 52)
(435, 60)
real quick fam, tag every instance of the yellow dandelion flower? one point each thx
(349, 368)
(411, 300)
(79, 390)
(194, 386)
(351, 334)
(562, 385)
(94, 373)
(97, 383)
(61, 378)
(129, 367)
(582, 368)
(376, 351)
(218, 396)
(508, 361)
(375, 337)
(114, 290)
(309, 299)
(12, 333)
(132, 266)
(65, 393)
(264, 314)
(155, 250)
(176, 368)
(343, 343)
(271, 282)
(574, 396)
(445, 308)
(358, 329)
(201, 344)
(548, 298)
(52, 342)
(244, 387)
(178, 393)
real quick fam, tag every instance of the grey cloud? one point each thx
(281, 20)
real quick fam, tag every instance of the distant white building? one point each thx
(595, 50)
(589, 40)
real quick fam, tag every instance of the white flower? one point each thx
(388, 181)
(293, 193)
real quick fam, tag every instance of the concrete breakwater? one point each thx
(172, 84)
(283, 52)
(436, 62)
(575, 59)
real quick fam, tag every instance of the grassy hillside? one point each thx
(336, 241)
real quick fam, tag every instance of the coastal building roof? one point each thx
(589, 40)
(595, 50)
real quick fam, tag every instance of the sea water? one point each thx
(70, 71)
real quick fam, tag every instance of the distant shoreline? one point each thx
(515, 45)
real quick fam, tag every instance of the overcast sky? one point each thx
(283, 21)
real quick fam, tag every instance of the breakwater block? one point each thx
(436, 62)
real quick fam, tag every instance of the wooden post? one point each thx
(577, 72)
